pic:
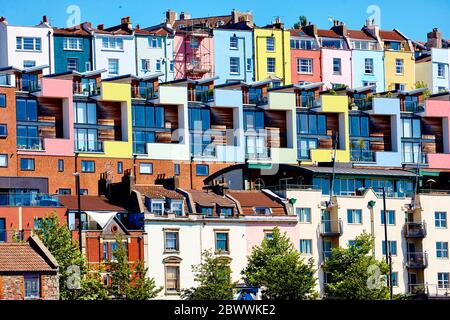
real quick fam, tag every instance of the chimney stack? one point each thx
(3, 20)
(340, 28)
(184, 15)
(138, 27)
(44, 19)
(101, 27)
(125, 20)
(434, 39)
(171, 16)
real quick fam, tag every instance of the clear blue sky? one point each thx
(414, 17)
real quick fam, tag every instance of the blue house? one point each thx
(233, 53)
(73, 49)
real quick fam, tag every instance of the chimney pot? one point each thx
(44, 19)
(125, 20)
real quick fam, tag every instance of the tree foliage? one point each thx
(302, 21)
(129, 282)
(355, 274)
(214, 278)
(58, 240)
(278, 269)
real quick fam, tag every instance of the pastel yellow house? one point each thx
(399, 63)
(339, 105)
(121, 93)
(272, 53)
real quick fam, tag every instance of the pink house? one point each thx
(194, 53)
(336, 59)
(438, 106)
(56, 105)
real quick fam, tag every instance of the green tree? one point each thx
(214, 278)
(426, 93)
(129, 282)
(58, 240)
(278, 269)
(355, 274)
(302, 21)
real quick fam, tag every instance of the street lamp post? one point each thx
(386, 244)
(80, 227)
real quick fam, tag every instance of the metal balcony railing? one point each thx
(362, 156)
(89, 145)
(256, 99)
(31, 85)
(9, 236)
(204, 96)
(415, 229)
(412, 157)
(87, 89)
(30, 143)
(363, 104)
(416, 260)
(413, 106)
(331, 228)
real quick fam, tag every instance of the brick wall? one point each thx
(12, 287)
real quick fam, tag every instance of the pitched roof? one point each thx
(78, 30)
(391, 35)
(328, 33)
(359, 34)
(208, 199)
(91, 203)
(30, 256)
(251, 199)
(159, 30)
(158, 192)
(299, 33)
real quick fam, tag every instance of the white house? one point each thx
(26, 47)
(114, 49)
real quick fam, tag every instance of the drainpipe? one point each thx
(190, 171)
(49, 34)
(136, 54)
(283, 55)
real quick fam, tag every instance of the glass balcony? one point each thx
(89, 146)
(412, 157)
(87, 89)
(413, 106)
(363, 104)
(30, 143)
(140, 147)
(5, 80)
(28, 200)
(362, 156)
(205, 96)
(256, 98)
(31, 85)
(147, 93)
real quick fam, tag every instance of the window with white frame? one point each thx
(234, 43)
(354, 216)
(270, 44)
(249, 65)
(392, 246)
(177, 207)
(112, 43)
(158, 65)
(171, 241)
(271, 65)
(234, 65)
(337, 66)
(368, 66)
(72, 64)
(145, 65)
(440, 219)
(302, 44)
(443, 280)
(172, 275)
(155, 42)
(442, 250)
(73, 44)
(441, 70)
(157, 207)
(28, 44)
(390, 215)
(3, 160)
(399, 66)
(113, 66)
(364, 45)
(304, 65)
(305, 246)
(304, 214)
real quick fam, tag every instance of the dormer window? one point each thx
(393, 45)
(332, 43)
(363, 45)
(157, 207)
(176, 207)
(207, 211)
(262, 210)
(226, 212)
